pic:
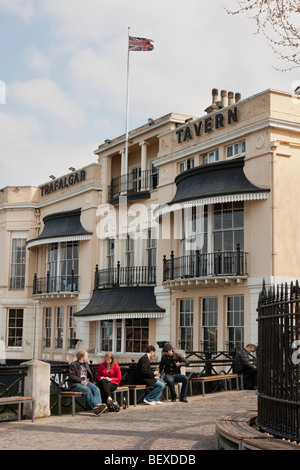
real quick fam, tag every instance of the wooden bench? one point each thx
(18, 400)
(127, 389)
(269, 444)
(226, 378)
(68, 394)
(237, 431)
(177, 385)
(232, 430)
(122, 389)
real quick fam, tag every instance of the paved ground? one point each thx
(168, 427)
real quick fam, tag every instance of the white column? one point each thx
(143, 146)
(123, 163)
(37, 385)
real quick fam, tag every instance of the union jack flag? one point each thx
(140, 44)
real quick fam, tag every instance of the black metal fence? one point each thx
(225, 263)
(12, 377)
(125, 276)
(278, 361)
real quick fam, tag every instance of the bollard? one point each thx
(37, 385)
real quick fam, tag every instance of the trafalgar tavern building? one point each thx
(166, 236)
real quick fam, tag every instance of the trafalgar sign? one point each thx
(62, 183)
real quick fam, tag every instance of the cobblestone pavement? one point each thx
(171, 426)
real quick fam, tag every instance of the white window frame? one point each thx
(14, 328)
(210, 157)
(186, 164)
(236, 149)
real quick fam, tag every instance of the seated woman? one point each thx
(109, 377)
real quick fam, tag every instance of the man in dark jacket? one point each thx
(146, 376)
(81, 380)
(171, 363)
(242, 365)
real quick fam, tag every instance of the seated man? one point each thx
(146, 376)
(82, 380)
(171, 363)
(242, 365)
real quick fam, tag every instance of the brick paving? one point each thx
(171, 426)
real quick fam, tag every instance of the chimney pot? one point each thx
(230, 98)
(214, 93)
(237, 97)
(223, 97)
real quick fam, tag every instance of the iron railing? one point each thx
(11, 384)
(125, 276)
(53, 284)
(278, 361)
(132, 183)
(12, 377)
(225, 263)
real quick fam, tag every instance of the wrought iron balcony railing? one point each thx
(55, 284)
(125, 276)
(220, 263)
(135, 182)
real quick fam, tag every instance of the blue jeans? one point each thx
(155, 394)
(170, 379)
(90, 392)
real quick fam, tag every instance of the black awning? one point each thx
(225, 178)
(121, 302)
(61, 226)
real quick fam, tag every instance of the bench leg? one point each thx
(203, 388)
(73, 405)
(19, 411)
(33, 410)
(59, 405)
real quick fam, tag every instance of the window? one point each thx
(124, 336)
(15, 328)
(129, 252)
(186, 165)
(17, 261)
(63, 266)
(228, 226)
(235, 322)
(69, 254)
(47, 327)
(59, 327)
(136, 335)
(185, 324)
(210, 323)
(193, 230)
(239, 148)
(106, 342)
(110, 254)
(210, 157)
(71, 327)
(151, 247)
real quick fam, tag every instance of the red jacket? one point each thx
(114, 373)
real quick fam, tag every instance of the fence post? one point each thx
(238, 260)
(34, 284)
(164, 268)
(48, 282)
(96, 278)
(172, 266)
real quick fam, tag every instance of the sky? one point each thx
(63, 74)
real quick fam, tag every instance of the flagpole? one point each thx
(125, 167)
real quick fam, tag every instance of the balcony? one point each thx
(68, 284)
(125, 276)
(205, 269)
(135, 185)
